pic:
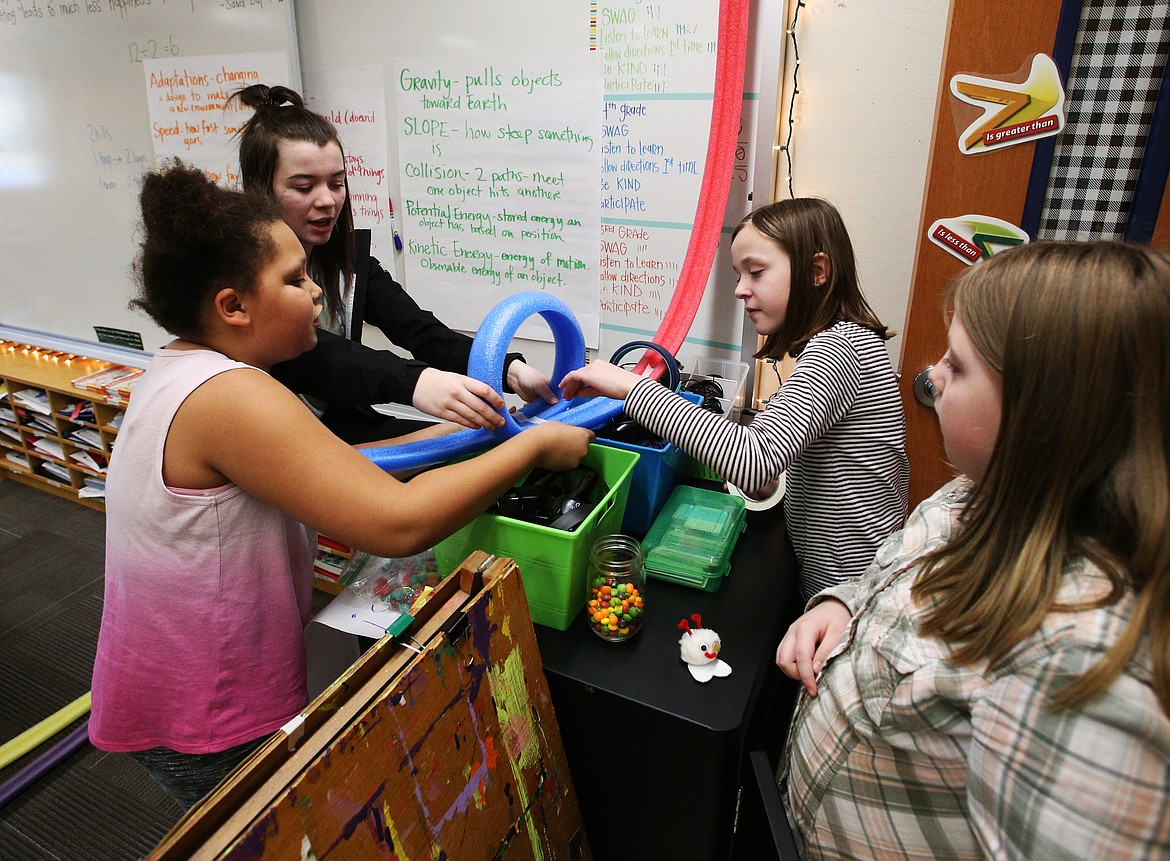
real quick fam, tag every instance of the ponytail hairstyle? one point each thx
(198, 238)
(1077, 332)
(281, 115)
(804, 227)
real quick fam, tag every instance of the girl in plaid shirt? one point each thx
(997, 684)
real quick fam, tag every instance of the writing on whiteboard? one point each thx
(497, 154)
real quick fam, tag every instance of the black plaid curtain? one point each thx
(1117, 70)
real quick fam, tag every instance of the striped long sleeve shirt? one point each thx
(835, 428)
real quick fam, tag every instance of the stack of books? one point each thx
(119, 393)
(92, 487)
(88, 437)
(333, 558)
(113, 384)
(49, 448)
(78, 411)
(52, 471)
(91, 460)
(36, 400)
(39, 422)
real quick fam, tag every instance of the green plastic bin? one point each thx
(553, 563)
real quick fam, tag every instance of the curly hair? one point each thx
(197, 239)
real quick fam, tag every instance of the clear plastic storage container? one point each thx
(691, 541)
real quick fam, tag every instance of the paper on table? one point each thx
(354, 614)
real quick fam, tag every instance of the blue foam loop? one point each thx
(580, 412)
(429, 452)
(674, 379)
(490, 348)
(486, 363)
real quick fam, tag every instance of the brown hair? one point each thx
(197, 239)
(805, 227)
(281, 115)
(1081, 466)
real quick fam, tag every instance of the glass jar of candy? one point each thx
(615, 605)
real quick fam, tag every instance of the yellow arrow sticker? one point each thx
(1012, 113)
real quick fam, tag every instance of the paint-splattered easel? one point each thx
(447, 749)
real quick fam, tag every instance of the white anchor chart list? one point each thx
(500, 165)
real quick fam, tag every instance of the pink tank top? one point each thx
(207, 593)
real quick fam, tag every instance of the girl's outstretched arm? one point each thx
(823, 386)
(599, 378)
(244, 427)
(529, 383)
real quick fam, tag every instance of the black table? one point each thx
(656, 756)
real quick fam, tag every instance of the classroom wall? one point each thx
(868, 87)
(90, 94)
(672, 121)
(868, 81)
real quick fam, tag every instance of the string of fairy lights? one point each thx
(783, 178)
(789, 121)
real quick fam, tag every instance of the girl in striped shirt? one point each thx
(835, 427)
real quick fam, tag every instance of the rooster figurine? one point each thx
(700, 650)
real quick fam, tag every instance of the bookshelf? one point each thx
(57, 437)
(54, 436)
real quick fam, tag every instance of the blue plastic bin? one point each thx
(655, 476)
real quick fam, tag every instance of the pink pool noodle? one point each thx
(731, 58)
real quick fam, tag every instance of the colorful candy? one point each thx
(614, 608)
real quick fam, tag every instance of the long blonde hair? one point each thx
(1080, 335)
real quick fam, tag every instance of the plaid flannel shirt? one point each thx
(905, 754)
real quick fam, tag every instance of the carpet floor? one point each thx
(93, 806)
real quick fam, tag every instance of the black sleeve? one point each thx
(400, 318)
(410, 327)
(341, 371)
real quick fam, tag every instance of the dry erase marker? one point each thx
(393, 227)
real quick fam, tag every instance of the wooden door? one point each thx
(1162, 227)
(996, 40)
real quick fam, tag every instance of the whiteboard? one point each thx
(76, 135)
(657, 62)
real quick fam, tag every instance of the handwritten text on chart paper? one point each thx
(496, 155)
(492, 154)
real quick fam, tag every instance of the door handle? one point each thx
(924, 390)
